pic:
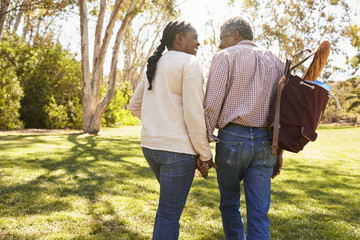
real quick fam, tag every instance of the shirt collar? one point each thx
(246, 42)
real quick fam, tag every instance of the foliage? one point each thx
(38, 18)
(79, 186)
(354, 34)
(126, 12)
(117, 114)
(11, 49)
(292, 25)
(355, 95)
(56, 115)
(50, 79)
(142, 38)
(347, 93)
(10, 95)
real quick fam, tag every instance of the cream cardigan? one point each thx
(172, 112)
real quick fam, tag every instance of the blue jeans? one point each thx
(175, 173)
(244, 153)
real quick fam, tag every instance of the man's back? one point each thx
(247, 76)
(241, 84)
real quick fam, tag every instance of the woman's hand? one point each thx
(204, 166)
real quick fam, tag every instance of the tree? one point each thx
(3, 11)
(354, 34)
(93, 110)
(291, 25)
(42, 83)
(356, 97)
(51, 79)
(10, 90)
(37, 17)
(141, 39)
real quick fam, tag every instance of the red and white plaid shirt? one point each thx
(242, 82)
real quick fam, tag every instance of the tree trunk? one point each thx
(88, 103)
(100, 109)
(92, 110)
(27, 24)
(3, 10)
(97, 45)
(19, 15)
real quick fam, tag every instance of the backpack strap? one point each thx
(276, 123)
(311, 53)
(283, 81)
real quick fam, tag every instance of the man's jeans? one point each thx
(244, 153)
(175, 173)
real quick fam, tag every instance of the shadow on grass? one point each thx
(18, 141)
(95, 166)
(86, 171)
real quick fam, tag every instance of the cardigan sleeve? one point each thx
(193, 98)
(136, 100)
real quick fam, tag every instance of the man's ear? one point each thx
(237, 36)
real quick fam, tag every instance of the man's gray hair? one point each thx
(240, 24)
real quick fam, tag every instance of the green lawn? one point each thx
(72, 186)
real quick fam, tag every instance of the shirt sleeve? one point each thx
(215, 92)
(136, 99)
(193, 98)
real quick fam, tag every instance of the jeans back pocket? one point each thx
(228, 152)
(269, 160)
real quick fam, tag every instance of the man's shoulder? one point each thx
(222, 55)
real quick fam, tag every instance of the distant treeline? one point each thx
(348, 94)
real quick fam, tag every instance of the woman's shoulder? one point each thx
(181, 58)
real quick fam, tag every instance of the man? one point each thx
(242, 82)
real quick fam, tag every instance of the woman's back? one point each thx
(162, 111)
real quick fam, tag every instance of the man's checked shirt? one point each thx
(242, 82)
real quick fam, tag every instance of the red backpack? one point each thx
(296, 111)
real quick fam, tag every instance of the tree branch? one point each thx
(111, 91)
(106, 40)
(98, 30)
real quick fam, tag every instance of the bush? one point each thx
(56, 115)
(50, 79)
(10, 90)
(10, 95)
(52, 87)
(117, 114)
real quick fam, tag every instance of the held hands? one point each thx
(278, 166)
(204, 166)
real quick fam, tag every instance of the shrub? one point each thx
(10, 90)
(50, 78)
(52, 87)
(10, 95)
(117, 114)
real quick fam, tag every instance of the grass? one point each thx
(70, 186)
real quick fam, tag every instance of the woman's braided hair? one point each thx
(169, 33)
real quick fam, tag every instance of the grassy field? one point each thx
(65, 185)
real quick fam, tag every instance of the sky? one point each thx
(195, 11)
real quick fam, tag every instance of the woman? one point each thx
(169, 102)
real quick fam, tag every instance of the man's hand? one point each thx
(278, 166)
(204, 166)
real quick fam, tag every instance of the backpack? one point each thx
(296, 111)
